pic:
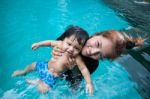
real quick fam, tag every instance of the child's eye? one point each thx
(77, 48)
(69, 44)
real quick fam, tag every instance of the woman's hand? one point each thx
(58, 52)
(71, 62)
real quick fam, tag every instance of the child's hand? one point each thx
(90, 88)
(35, 46)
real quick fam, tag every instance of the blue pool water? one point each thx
(24, 22)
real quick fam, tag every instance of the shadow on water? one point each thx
(136, 62)
(137, 55)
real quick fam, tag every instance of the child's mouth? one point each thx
(69, 53)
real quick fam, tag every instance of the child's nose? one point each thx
(71, 49)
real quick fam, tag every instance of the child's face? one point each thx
(71, 46)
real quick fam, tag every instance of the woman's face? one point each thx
(97, 47)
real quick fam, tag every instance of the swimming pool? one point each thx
(24, 22)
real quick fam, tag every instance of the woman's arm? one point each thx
(86, 74)
(46, 43)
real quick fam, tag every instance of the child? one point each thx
(75, 38)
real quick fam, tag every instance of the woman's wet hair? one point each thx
(121, 42)
(133, 42)
(80, 34)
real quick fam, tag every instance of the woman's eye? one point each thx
(97, 44)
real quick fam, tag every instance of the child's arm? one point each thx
(46, 43)
(86, 74)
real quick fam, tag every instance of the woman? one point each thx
(108, 44)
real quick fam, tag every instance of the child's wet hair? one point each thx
(80, 34)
